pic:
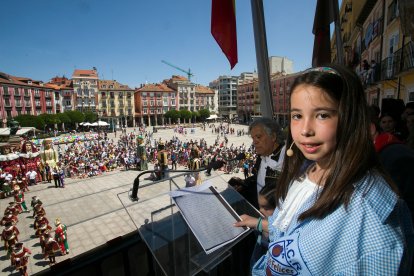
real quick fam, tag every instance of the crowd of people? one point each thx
(29, 165)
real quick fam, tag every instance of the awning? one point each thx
(100, 123)
(212, 117)
(23, 130)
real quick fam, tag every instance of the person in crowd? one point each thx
(19, 197)
(13, 208)
(246, 168)
(409, 109)
(387, 123)
(372, 72)
(390, 123)
(268, 141)
(337, 212)
(189, 180)
(40, 224)
(174, 158)
(142, 154)
(126, 162)
(56, 177)
(20, 258)
(162, 158)
(10, 236)
(9, 217)
(397, 159)
(61, 236)
(35, 201)
(38, 209)
(61, 172)
(364, 71)
(47, 173)
(31, 175)
(195, 164)
(51, 248)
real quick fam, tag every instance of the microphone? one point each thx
(289, 152)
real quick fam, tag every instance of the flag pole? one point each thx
(259, 28)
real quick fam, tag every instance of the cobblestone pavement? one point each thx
(90, 207)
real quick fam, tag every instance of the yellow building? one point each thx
(115, 103)
(372, 32)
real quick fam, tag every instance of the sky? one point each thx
(127, 39)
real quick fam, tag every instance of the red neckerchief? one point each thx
(384, 139)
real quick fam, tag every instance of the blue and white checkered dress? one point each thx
(373, 236)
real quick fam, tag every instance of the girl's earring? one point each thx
(289, 152)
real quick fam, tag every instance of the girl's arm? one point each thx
(253, 222)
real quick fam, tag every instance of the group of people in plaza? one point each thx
(52, 242)
(25, 165)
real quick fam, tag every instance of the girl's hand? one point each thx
(247, 221)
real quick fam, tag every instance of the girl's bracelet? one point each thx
(259, 226)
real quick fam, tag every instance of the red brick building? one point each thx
(21, 95)
(152, 101)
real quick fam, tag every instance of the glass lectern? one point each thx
(165, 232)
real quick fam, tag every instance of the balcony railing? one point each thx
(401, 61)
(407, 55)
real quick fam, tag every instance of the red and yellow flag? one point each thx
(223, 28)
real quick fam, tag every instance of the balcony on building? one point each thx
(404, 58)
(397, 64)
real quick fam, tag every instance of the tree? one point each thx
(64, 119)
(30, 121)
(50, 119)
(185, 114)
(195, 115)
(173, 115)
(75, 116)
(204, 114)
(168, 114)
(90, 116)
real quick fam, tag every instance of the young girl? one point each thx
(337, 212)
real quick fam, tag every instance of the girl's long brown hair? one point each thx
(354, 155)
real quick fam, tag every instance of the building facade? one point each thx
(248, 102)
(21, 95)
(226, 87)
(372, 32)
(64, 97)
(115, 103)
(151, 103)
(85, 87)
(280, 65)
(204, 98)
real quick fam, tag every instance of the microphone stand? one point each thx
(133, 193)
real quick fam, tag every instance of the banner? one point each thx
(223, 28)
